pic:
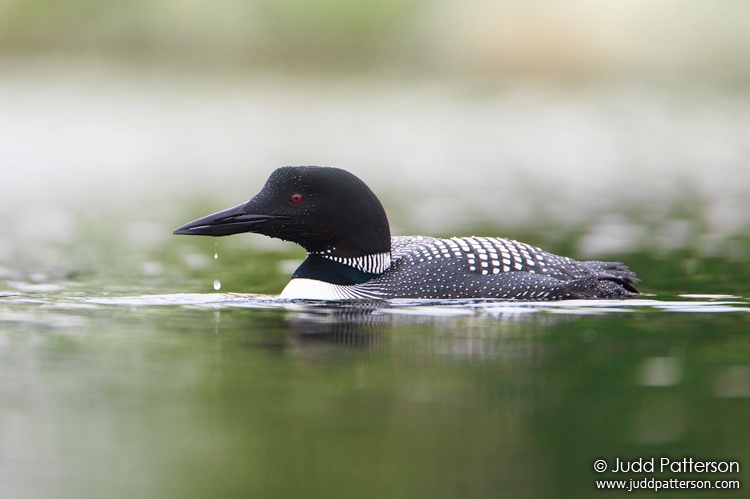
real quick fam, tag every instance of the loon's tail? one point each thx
(615, 272)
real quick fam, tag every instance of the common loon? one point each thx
(351, 254)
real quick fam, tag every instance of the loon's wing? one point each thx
(479, 267)
(449, 279)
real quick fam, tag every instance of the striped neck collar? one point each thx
(376, 263)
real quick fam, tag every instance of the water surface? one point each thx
(195, 395)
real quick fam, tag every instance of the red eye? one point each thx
(296, 199)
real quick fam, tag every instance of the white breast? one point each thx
(310, 289)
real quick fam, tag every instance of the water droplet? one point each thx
(217, 284)
(216, 255)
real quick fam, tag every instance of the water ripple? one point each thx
(703, 303)
(693, 303)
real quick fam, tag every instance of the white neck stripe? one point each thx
(370, 264)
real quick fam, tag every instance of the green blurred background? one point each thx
(448, 39)
(596, 128)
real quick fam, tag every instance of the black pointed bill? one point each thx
(224, 223)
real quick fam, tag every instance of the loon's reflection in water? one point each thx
(360, 324)
(449, 332)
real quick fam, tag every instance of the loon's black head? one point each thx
(324, 210)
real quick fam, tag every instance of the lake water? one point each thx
(126, 373)
(195, 395)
